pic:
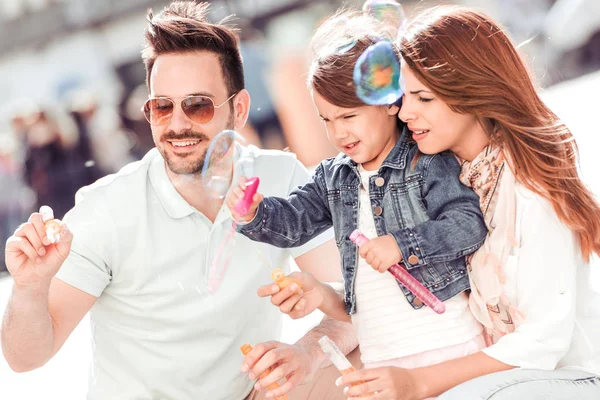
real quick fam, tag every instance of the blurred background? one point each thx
(73, 84)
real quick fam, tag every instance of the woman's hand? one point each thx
(385, 383)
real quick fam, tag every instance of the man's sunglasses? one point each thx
(200, 109)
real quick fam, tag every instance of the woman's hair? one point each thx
(470, 63)
(336, 47)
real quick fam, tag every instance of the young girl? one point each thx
(414, 209)
(468, 90)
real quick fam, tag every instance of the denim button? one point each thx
(378, 210)
(379, 181)
(413, 259)
(417, 302)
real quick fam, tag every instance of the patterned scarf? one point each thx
(487, 300)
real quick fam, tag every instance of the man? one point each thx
(143, 240)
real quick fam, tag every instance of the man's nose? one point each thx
(179, 121)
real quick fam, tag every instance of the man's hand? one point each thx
(237, 193)
(30, 257)
(381, 253)
(293, 301)
(386, 383)
(291, 362)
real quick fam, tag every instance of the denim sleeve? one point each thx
(293, 221)
(455, 227)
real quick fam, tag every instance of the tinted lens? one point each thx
(158, 111)
(199, 109)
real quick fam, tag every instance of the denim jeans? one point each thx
(529, 384)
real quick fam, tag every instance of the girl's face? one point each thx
(366, 134)
(434, 126)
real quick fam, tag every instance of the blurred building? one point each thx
(81, 59)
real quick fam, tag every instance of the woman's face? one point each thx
(434, 126)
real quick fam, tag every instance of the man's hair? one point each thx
(183, 27)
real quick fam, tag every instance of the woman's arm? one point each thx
(540, 285)
(455, 227)
(435, 379)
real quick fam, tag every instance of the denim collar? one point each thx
(396, 159)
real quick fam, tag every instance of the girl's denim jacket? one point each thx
(435, 219)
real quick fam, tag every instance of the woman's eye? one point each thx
(425, 99)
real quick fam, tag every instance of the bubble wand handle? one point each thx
(243, 205)
(50, 224)
(406, 279)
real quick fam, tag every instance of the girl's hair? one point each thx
(466, 58)
(336, 47)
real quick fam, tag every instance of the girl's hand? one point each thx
(237, 193)
(385, 383)
(381, 253)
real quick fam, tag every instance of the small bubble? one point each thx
(390, 12)
(258, 109)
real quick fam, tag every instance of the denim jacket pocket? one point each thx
(407, 202)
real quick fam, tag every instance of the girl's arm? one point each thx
(293, 221)
(333, 301)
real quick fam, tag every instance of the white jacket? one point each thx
(548, 282)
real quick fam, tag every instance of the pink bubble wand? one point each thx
(221, 261)
(406, 279)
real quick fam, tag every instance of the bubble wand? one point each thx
(406, 279)
(221, 261)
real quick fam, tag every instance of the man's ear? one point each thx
(241, 109)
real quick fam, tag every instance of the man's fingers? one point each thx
(29, 232)
(280, 372)
(19, 244)
(259, 356)
(270, 358)
(293, 380)
(36, 220)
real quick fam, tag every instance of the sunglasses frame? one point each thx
(172, 100)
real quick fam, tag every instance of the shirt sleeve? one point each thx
(301, 176)
(87, 266)
(541, 284)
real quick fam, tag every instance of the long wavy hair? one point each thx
(470, 63)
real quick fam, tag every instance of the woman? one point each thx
(468, 91)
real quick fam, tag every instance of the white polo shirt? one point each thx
(143, 251)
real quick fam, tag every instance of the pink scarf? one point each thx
(487, 174)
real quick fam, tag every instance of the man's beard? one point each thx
(193, 167)
(181, 167)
